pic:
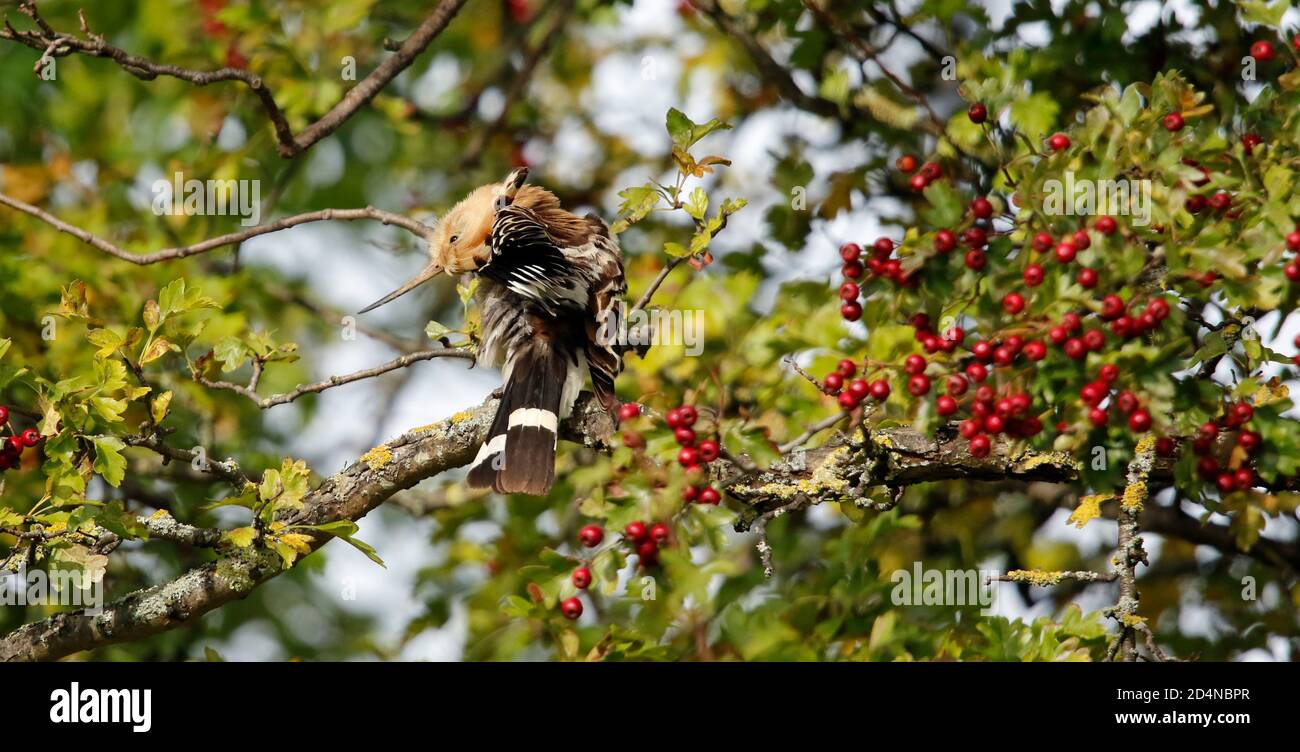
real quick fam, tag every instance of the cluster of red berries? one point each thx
(933, 342)
(11, 451)
(1292, 268)
(646, 541)
(852, 391)
(929, 172)
(1097, 391)
(1223, 474)
(693, 452)
(1011, 414)
(854, 271)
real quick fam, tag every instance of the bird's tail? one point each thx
(518, 455)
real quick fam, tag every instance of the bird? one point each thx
(551, 290)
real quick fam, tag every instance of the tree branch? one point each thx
(52, 43)
(169, 254)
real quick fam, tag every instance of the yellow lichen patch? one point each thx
(1088, 510)
(1133, 620)
(378, 458)
(1038, 459)
(461, 417)
(161, 514)
(424, 429)
(825, 482)
(1134, 495)
(1034, 577)
(1145, 446)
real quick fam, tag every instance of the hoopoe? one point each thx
(550, 289)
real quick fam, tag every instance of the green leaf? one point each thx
(109, 461)
(685, 133)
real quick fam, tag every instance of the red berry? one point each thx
(628, 411)
(1243, 479)
(1220, 202)
(976, 237)
(635, 531)
(957, 385)
(981, 207)
(1262, 51)
(1165, 446)
(906, 164)
(852, 270)
(880, 390)
(4, 415)
(1139, 421)
(1248, 440)
(1112, 306)
(687, 415)
(688, 456)
(1105, 225)
(1087, 278)
(914, 364)
(1013, 303)
(1097, 417)
(955, 334)
(591, 536)
(1059, 142)
(1158, 309)
(979, 446)
(1292, 271)
(849, 292)
(846, 368)
(847, 401)
(1065, 252)
(931, 171)
(1250, 141)
(851, 311)
(850, 251)
(1242, 410)
(1194, 204)
(1071, 322)
(690, 493)
(709, 450)
(1293, 240)
(648, 551)
(1174, 122)
(1033, 275)
(1126, 401)
(833, 382)
(1109, 373)
(918, 385)
(1075, 349)
(571, 608)
(883, 247)
(944, 241)
(977, 372)
(1094, 340)
(994, 424)
(918, 182)
(709, 495)
(977, 113)
(976, 260)
(1081, 240)
(581, 579)
(684, 436)
(1035, 350)
(970, 428)
(32, 437)
(946, 405)
(659, 533)
(1225, 482)
(1042, 242)
(859, 389)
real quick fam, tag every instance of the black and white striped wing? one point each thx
(528, 262)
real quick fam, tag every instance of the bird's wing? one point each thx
(527, 261)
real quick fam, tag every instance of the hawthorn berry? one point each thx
(1081, 240)
(1035, 350)
(690, 493)
(571, 608)
(849, 292)
(591, 536)
(977, 372)
(979, 446)
(648, 551)
(970, 428)
(687, 415)
(1263, 51)
(976, 260)
(850, 251)
(684, 436)
(944, 241)
(1057, 335)
(957, 385)
(1034, 275)
(918, 182)
(1250, 141)
(1075, 349)
(931, 171)
(853, 270)
(1139, 421)
(1220, 202)
(1013, 303)
(1042, 242)
(1105, 225)
(709, 450)
(918, 385)
(659, 532)
(851, 311)
(880, 390)
(1094, 340)
(688, 456)
(635, 531)
(709, 495)
(981, 207)
(1165, 446)
(1293, 240)
(581, 578)
(1174, 122)
(1194, 204)
(833, 382)
(883, 247)
(1065, 252)
(846, 368)
(906, 164)
(633, 440)
(4, 415)
(628, 411)
(1108, 373)
(914, 364)
(945, 405)
(859, 389)
(1059, 142)
(1097, 417)
(32, 437)
(1087, 278)
(977, 113)
(847, 401)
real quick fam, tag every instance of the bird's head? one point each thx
(459, 242)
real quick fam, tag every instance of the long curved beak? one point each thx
(428, 273)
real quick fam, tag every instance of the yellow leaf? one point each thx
(156, 350)
(298, 542)
(242, 537)
(158, 408)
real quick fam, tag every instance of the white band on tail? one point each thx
(534, 416)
